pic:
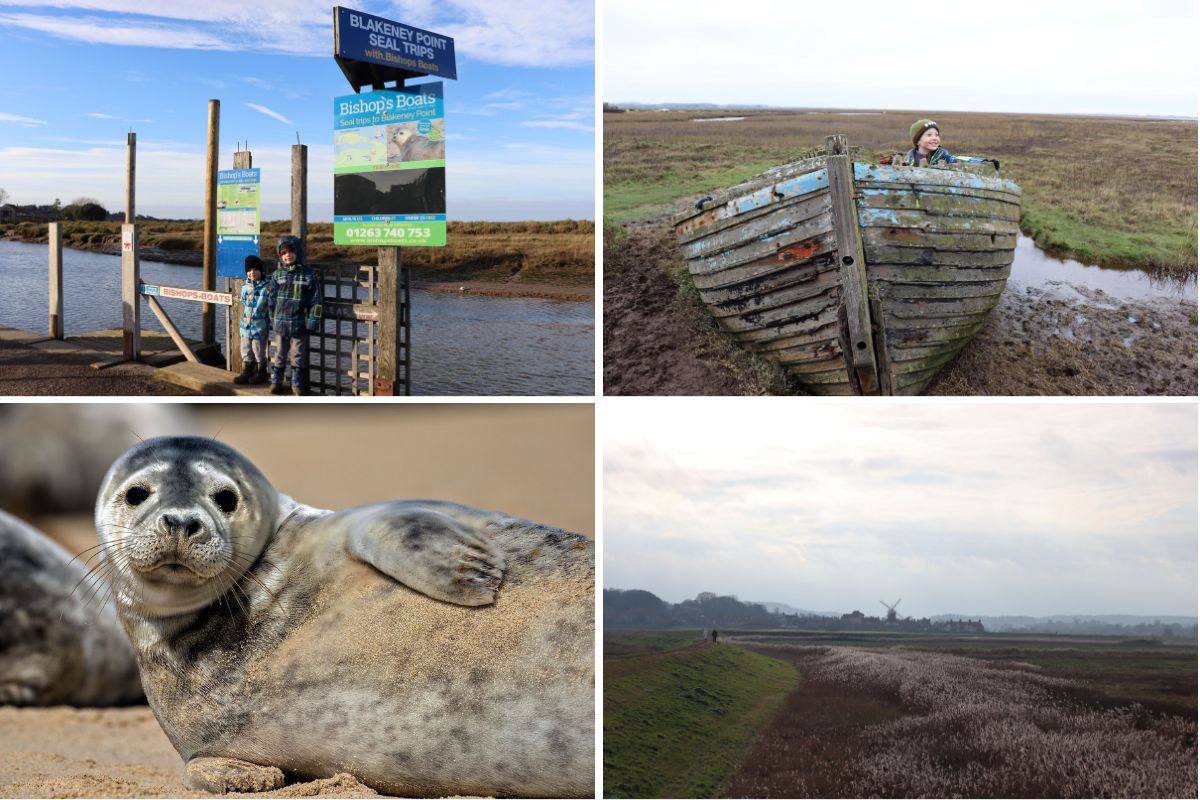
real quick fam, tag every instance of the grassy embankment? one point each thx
(678, 714)
(1099, 189)
(560, 252)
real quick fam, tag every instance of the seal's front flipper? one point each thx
(222, 775)
(428, 551)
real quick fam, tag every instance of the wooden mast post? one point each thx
(131, 279)
(56, 281)
(207, 310)
(860, 355)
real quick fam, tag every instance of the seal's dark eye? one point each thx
(136, 495)
(226, 500)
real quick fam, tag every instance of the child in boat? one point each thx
(927, 150)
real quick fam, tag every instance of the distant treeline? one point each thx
(636, 608)
(1087, 627)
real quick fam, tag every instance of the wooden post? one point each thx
(242, 159)
(390, 305)
(852, 264)
(131, 287)
(130, 170)
(208, 314)
(300, 194)
(56, 281)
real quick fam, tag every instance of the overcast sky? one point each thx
(980, 508)
(1060, 57)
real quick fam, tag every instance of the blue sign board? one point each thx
(238, 220)
(365, 37)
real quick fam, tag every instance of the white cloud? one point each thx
(1033, 508)
(29, 122)
(559, 123)
(528, 33)
(102, 30)
(98, 115)
(269, 113)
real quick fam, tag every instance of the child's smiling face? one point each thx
(254, 275)
(929, 140)
(288, 256)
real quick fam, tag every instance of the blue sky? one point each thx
(999, 508)
(520, 119)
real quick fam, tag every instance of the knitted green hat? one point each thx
(919, 127)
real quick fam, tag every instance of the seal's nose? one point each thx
(183, 525)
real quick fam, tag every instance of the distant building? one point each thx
(8, 213)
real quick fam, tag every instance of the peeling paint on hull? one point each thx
(938, 246)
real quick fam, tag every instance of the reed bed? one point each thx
(970, 728)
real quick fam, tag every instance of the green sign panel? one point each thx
(389, 174)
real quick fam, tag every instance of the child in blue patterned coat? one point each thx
(257, 295)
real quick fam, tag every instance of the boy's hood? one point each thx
(296, 244)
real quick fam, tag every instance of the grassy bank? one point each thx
(561, 252)
(1100, 189)
(677, 721)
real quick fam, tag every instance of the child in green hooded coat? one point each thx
(927, 150)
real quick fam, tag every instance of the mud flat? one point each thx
(1055, 338)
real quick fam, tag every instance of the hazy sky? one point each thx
(980, 508)
(520, 118)
(1065, 56)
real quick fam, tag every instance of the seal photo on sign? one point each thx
(60, 643)
(426, 648)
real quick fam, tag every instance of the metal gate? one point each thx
(348, 356)
(344, 356)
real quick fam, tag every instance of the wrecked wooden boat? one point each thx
(857, 278)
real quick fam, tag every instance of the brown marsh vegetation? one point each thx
(560, 252)
(902, 722)
(1101, 189)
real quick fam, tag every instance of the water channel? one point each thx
(461, 344)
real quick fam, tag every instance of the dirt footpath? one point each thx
(1051, 340)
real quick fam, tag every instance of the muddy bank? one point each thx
(482, 278)
(1054, 339)
(1059, 339)
(654, 344)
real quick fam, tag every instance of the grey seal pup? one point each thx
(426, 648)
(60, 643)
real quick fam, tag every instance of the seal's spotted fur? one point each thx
(315, 655)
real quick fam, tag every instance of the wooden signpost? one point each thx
(373, 52)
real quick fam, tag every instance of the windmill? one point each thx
(891, 615)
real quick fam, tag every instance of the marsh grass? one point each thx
(561, 251)
(1100, 189)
